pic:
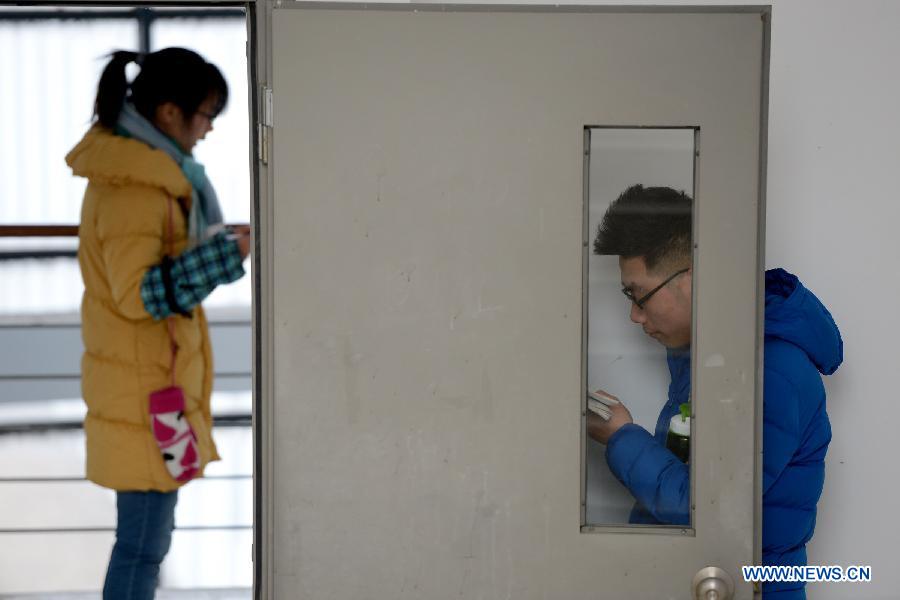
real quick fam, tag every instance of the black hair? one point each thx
(174, 75)
(654, 223)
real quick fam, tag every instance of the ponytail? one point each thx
(113, 87)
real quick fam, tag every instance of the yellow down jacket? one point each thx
(123, 232)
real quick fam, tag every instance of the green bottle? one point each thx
(678, 440)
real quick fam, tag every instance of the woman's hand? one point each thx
(242, 237)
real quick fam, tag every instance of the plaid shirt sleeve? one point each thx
(191, 277)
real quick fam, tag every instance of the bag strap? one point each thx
(170, 320)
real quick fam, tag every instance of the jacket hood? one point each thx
(104, 157)
(795, 315)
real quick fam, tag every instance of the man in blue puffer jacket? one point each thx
(650, 230)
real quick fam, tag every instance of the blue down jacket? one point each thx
(801, 341)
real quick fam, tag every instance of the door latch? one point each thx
(713, 583)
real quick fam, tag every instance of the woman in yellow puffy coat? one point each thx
(152, 247)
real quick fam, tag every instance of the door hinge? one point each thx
(263, 141)
(268, 116)
(266, 122)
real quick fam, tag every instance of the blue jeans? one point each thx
(143, 534)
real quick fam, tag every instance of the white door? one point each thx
(430, 183)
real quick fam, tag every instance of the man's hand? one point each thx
(601, 430)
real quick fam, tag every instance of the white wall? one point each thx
(831, 218)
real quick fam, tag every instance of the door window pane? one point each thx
(639, 326)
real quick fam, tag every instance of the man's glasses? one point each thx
(640, 302)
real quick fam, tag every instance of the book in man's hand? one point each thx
(599, 403)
